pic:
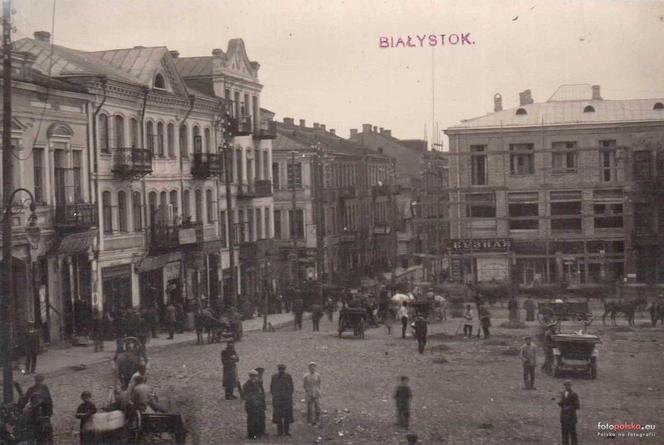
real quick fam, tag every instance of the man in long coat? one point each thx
(569, 404)
(253, 404)
(281, 387)
(229, 359)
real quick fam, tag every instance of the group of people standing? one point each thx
(281, 389)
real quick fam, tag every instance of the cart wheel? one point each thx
(593, 370)
(134, 427)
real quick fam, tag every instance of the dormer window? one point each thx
(521, 112)
(589, 109)
(658, 106)
(159, 82)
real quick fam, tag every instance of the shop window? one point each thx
(563, 157)
(481, 205)
(523, 211)
(522, 159)
(608, 216)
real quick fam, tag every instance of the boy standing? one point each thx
(84, 411)
(402, 396)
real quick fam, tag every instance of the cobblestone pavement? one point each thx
(465, 391)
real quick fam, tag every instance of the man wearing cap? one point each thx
(312, 394)
(549, 332)
(253, 404)
(528, 354)
(229, 361)
(281, 388)
(261, 417)
(569, 403)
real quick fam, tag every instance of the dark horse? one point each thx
(627, 307)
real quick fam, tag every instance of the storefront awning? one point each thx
(76, 243)
(157, 262)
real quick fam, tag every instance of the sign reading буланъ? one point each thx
(425, 40)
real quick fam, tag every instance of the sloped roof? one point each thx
(194, 66)
(200, 87)
(139, 63)
(582, 91)
(67, 62)
(570, 112)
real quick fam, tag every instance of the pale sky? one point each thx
(321, 60)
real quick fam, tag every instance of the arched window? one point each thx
(186, 205)
(160, 139)
(104, 143)
(210, 206)
(138, 211)
(589, 109)
(198, 143)
(173, 198)
(150, 136)
(133, 133)
(207, 140)
(184, 142)
(163, 207)
(521, 112)
(170, 143)
(152, 208)
(199, 206)
(107, 212)
(658, 106)
(118, 122)
(122, 212)
(159, 81)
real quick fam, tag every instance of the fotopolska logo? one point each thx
(626, 430)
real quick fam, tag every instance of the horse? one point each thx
(627, 307)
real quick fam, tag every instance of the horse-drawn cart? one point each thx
(353, 318)
(575, 353)
(559, 310)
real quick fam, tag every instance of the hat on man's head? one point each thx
(253, 372)
(39, 378)
(567, 382)
(281, 366)
(527, 337)
(260, 370)
(312, 363)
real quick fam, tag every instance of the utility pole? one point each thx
(228, 165)
(7, 305)
(293, 222)
(318, 206)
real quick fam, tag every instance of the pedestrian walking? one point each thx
(171, 320)
(528, 354)
(229, 359)
(389, 319)
(312, 385)
(152, 319)
(30, 348)
(569, 404)
(261, 418)
(468, 322)
(402, 397)
(547, 344)
(403, 316)
(298, 308)
(98, 330)
(252, 404)
(84, 411)
(330, 306)
(281, 388)
(37, 407)
(316, 315)
(420, 326)
(485, 320)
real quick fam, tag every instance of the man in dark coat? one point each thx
(261, 417)
(171, 320)
(529, 306)
(513, 307)
(485, 320)
(569, 403)
(316, 315)
(37, 406)
(298, 309)
(30, 348)
(229, 359)
(420, 325)
(253, 404)
(281, 387)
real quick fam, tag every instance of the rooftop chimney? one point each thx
(217, 52)
(366, 128)
(316, 125)
(302, 123)
(596, 93)
(387, 133)
(322, 127)
(333, 131)
(175, 53)
(381, 130)
(497, 102)
(353, 133)
(289, 121)
(42, 36)
(375, 129)
(525, 97)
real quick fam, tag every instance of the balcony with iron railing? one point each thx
(266, 130)
(240, 126)
(206, 165)
(132, 162)
(165, 237)
(259, 189)
(76, 216)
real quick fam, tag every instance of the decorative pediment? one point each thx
(237, 60)
(60, 129)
